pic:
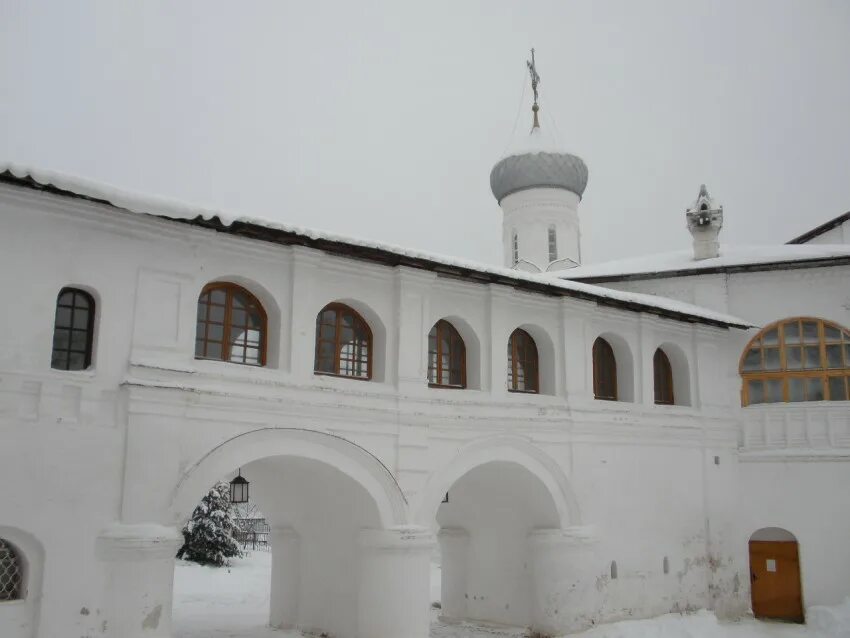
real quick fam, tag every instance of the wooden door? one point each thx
(775, 580)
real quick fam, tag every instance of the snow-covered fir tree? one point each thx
(209, 536)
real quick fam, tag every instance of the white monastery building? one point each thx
(583, 443)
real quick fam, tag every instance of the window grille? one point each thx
(663, 373)
(343, 343)
(604, 371)
(231, 325)
(553, 244)
(446, 356)
(73, 330)
(797, 359)
(11, 573)
(523, 368)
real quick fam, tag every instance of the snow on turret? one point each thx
(705, 219)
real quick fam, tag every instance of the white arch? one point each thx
(511, 449)
(345, 456)
(776, 534)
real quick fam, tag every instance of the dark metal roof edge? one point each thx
(820, 230)
(795, 264)
(382, 256)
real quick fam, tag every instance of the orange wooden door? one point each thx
(775, 580)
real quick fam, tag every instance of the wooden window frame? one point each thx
(342, 310)
(455, 337)
(662, 370)
(70, 329)
(533, 381)
(783, 374)
(227, 323)
(602, 347)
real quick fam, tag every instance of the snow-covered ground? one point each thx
(234, 603)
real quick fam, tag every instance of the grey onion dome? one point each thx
(539, 169)
(537, 160)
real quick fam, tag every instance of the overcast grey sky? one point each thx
(383, 119)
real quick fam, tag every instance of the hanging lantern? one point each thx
(239, 489)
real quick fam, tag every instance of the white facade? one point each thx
(551, 495)
(794, 458)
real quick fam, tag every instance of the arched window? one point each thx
(523, 368)
(11, 573)
(343, 343)
(446, 356)
(801, 359)
(604, 371)
(663, 373)
(231, 325)
(73, 330)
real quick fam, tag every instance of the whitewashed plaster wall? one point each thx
(138, 437)
(793, 456)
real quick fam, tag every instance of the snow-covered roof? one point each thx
(732, 258)
(817, 231)
(266, 230)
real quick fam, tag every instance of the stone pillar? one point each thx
(393, 599)
(140, 578)
(286, 578)
(454, 568)
(563, 580)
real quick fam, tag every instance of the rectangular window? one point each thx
(515, 249)
(553, 245)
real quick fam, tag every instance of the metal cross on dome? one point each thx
(535, 80)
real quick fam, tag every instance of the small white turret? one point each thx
(705, 219)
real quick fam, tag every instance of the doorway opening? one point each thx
(775, 583)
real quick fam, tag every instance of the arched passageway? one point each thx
(343, 563)
(504, 510)
(775, 575)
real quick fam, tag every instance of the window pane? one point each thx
(774, 391)
(218, 296)
(810, 332)
(771, 359)
(213, 350)
(837, 389)
(81, 319)
(756, 392)
(831, 333)
(793, 358)
(812, 357)
(792, 332)
(753, 360)
(238, 317)
(59, 360)
(771, 337)
(77, 361)
(61, 339)
(202, 311)
(833, 357)
(78, 340)
(215, 332)
(63, 317)
(847, 355)
(217, 313)
(815, 390)
(199, 348)
(795, 389)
